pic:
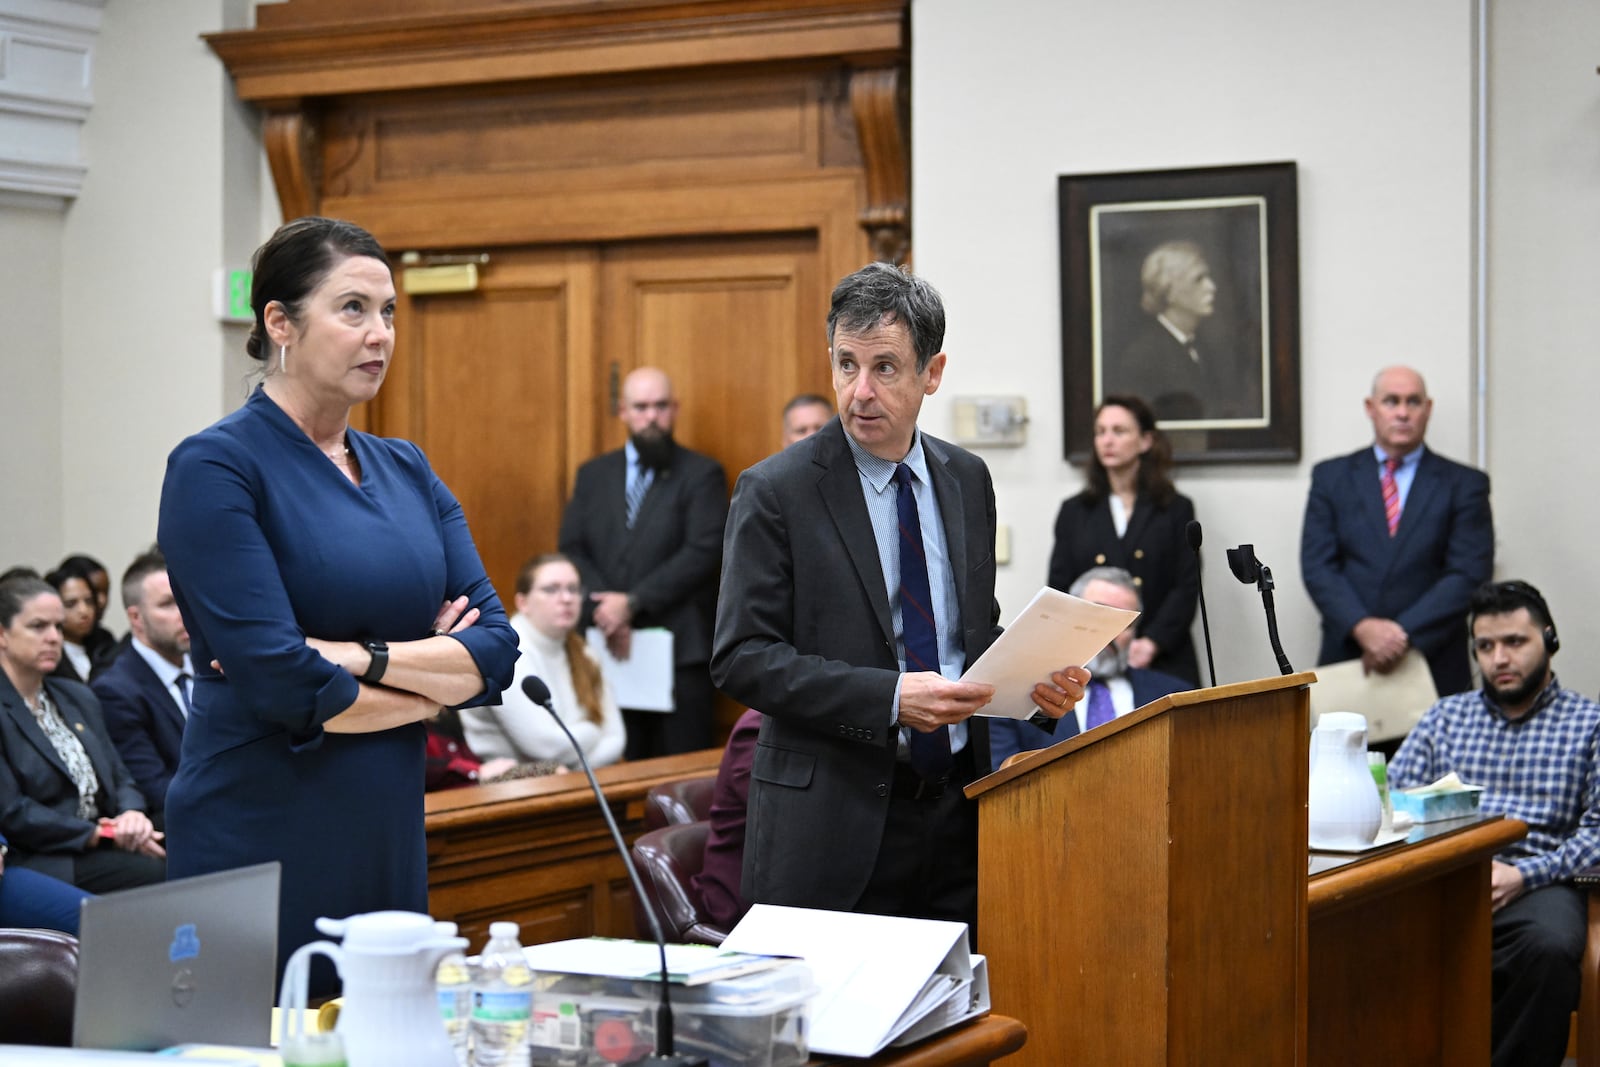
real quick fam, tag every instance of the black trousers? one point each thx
(688, 729)
(927, 865)
(1538, 947)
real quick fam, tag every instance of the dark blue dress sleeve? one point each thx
(227, 582)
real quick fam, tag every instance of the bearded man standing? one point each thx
(644, 527)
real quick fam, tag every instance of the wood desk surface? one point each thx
(970, 1045)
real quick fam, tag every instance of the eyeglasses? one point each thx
(558, 590)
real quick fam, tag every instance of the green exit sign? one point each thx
(231, 296)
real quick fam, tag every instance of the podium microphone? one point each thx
(1242, 561)
(534, 688)
(1193, 532)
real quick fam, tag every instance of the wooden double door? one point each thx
(511, 387)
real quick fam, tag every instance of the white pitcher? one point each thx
(390, 1013)
(1344, 811)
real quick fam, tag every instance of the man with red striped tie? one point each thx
(1396, 538)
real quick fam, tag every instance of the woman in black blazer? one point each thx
(68, 806)
(1131, 516)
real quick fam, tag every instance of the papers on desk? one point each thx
(1055, 630)
(609, 957)
(643, 681)
(882, 980)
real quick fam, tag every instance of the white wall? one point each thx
(173, 192)
(30, 380)
(1373, 100)
(1544, 223)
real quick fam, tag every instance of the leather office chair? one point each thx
(38, 984)
(667, 859)
(686, 800)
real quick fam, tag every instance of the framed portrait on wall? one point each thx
(1182, 287)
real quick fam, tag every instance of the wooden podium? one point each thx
(1142, 888)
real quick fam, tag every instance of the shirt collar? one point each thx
(1408, 461)
(1183, 338)
(878, 471)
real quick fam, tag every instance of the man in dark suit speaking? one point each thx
(644, 528)
(1396, 538)
(851, 644)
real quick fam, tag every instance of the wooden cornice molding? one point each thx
(880, 109)
(436, 45)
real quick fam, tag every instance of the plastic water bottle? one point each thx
(454, 982)
(502, 1001)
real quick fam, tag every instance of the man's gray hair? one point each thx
(1161, 270)
(1115, 575)
(882, 293)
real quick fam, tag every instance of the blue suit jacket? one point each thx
(1007, 737)
(144, 721)
(1422, 577)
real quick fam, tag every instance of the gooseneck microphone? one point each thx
(1193, 532)
(1242, 561)
(534, 688)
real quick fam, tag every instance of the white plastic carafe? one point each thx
(387, 962)
(1344, 811)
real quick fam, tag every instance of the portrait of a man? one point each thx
(1181, 320)
(1182, 287)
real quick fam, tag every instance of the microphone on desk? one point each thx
(1193, 532)
(535, 690)
(1242, 561)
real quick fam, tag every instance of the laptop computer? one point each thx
(192, 960)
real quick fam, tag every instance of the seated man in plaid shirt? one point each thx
(1533, 746)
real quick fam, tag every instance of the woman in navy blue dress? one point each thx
(330, 575)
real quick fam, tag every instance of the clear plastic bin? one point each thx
(753, 1020)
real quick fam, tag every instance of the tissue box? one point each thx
(1434, 807)
(752, 1020)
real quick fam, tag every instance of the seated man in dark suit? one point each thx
(1115, 688)
(145, 692)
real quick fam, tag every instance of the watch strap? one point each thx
(379, 650)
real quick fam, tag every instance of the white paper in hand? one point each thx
(1054, 631)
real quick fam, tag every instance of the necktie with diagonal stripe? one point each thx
(1391, 494)
(930, 752)
(636, 490)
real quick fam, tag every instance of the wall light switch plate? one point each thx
(1002, 544)
(981, 421)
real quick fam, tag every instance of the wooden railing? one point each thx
(537, 850)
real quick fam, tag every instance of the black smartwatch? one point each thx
(379, 651)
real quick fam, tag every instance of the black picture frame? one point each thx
(1227, 388)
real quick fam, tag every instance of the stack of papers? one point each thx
(607, 957)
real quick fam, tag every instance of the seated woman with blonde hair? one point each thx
(549, 600)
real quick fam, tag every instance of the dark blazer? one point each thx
(144, 721)
(38, 802)
(668, 562)
(1156, 367)
(1422, 577)
(1007, 737)
(1155, 550)
(804, 633)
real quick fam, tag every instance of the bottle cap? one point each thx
(505, 928)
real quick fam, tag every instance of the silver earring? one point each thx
(283, 359)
